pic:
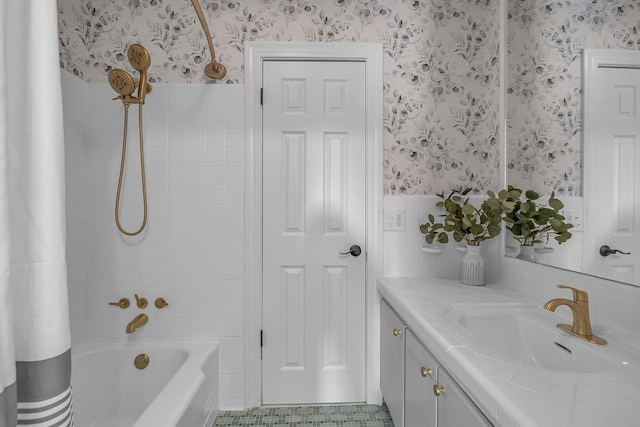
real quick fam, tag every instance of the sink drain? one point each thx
(568, 350)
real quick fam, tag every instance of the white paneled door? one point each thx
(313, 210)
(612, 166)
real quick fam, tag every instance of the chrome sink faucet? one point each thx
(581, 327)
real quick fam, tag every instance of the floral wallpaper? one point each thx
(441, 83)
(544, 84)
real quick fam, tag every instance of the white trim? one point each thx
(502, 133)
(254, 54)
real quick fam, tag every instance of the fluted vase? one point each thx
(473, 267)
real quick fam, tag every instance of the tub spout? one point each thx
(139, 320)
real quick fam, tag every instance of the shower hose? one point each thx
(122, 164)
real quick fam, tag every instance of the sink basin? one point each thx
(529, 337)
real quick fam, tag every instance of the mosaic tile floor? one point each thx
(325, 416)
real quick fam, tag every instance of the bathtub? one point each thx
(178, 388)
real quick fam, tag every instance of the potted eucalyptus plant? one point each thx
(465, 222)
(531, 221)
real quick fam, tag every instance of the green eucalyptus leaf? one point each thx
(468, 209)
(556, 224)
(556, 204)
(532, 195)
(476, 229)
(494, 230)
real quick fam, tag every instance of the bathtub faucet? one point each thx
(139, 320)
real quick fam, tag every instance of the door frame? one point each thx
(255, 53)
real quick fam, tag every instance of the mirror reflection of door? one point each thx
(313, 213)
(612, 164)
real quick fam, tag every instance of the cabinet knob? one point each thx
(396, 332)
(438, 389)
(425, 371)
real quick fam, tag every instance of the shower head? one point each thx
(121, 82)
(139, 57)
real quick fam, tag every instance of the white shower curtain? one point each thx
(35, 360)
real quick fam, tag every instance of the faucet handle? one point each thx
(578, 294)
(161, 302)
(141, 302)
(122, 303)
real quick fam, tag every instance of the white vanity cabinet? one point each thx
(418, 391)
(392, 331)
(420, 376)
(454, 406)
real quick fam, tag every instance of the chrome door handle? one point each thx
(605, 250)
(353, 250)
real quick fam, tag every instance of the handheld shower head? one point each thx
(121, 82)
(140, 59)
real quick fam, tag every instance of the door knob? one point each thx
(605, 250)
(353, 250)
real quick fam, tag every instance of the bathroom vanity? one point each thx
(455, 355)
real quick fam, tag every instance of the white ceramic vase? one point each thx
(527, 253)
(473, 267)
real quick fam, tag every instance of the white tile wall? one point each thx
(191, 252)
(403, 256)
(75, 106)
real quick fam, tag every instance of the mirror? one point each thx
(544, 91)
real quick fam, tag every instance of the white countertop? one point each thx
(510, 393)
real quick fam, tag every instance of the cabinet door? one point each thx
(454, 406)
(420, 372)
(392, 361)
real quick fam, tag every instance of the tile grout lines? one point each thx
(324, 416)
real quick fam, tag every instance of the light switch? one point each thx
(394, 220)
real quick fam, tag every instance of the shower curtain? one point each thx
(35, 359)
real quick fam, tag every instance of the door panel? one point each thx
(392, 334)
(420, 377)
(612, 154)
(313, 209)
(454, 406)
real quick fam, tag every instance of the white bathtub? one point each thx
(179, 387)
